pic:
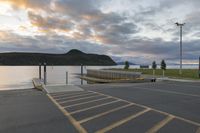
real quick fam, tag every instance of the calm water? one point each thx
(20, 77)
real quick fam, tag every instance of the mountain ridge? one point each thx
(73, 57)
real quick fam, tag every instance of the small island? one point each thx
(73, 57)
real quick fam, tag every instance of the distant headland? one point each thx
(73, 57)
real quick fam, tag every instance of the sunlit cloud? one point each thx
(124, 29)
(50, 23)
(27, 4)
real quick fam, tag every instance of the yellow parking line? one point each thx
(66, 94)
(77, 111)
(60, 98)
(162, 112)
(161, 124)
(66, 101)
(86, 102)
(119, 99)
(118, 123)
(104, 113)
(188, 121)
(71, 119)
(198, 130)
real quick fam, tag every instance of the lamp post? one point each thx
(181, 51)
(199, 67)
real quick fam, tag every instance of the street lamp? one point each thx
(181, 53)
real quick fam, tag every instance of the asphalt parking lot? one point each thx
(31, 111)
(164, 107)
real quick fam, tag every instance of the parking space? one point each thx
(92, 111)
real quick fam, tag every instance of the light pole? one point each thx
(181, 51)
(199, 67)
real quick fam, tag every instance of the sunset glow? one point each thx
(124, 29)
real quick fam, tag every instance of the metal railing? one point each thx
(112, 74)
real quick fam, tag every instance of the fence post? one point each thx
(40, 77)
(81, 69)
(66, 77)
(81, 74)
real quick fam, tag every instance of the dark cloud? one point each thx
(175, 3)
(117, 34)
(75, 7)
(137, 50)
(157, 49)
(11, 42)
(192, 21)
(125, 28)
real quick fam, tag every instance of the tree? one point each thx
(154, 66)
(163, 66)
(126, 65)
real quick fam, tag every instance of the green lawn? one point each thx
(173, 73)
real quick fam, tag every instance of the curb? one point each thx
(38, 84)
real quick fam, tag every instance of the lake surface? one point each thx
(20, 77)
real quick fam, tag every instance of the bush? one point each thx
(126, 65)
(163, 65)
(154, 65)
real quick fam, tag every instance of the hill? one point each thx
(73, 57)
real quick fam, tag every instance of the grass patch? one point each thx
(173, 73)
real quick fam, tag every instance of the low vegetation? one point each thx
(173, 73)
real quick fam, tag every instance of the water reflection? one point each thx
(12, 77)
(16, 76)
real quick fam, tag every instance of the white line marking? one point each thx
(165, 91)
(186, 85)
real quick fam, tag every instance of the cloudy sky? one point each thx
(136, 30)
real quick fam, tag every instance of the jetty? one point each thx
(114, 76)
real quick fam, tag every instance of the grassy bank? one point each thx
(173, 73)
